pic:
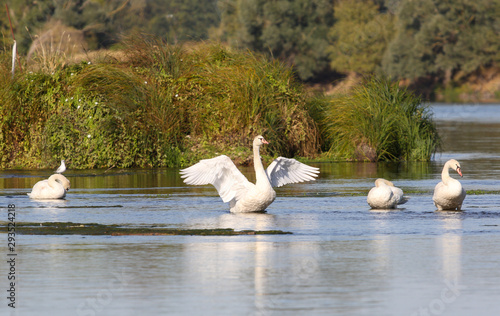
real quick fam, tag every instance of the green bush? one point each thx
(380, 120)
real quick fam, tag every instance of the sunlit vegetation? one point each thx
(380, 121)
(152, 105)
(158, 105)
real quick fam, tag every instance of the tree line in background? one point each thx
(428, 43)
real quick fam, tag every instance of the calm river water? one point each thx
(342, 258)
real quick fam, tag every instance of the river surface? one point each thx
(341, 259)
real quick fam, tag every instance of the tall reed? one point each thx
(380, 120)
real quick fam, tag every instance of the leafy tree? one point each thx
(292, 30)
(444, 38)
(105, 22)
(181, 20)
(359, 36)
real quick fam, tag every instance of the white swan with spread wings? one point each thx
(234, 187)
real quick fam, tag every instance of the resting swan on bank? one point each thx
(53, 188)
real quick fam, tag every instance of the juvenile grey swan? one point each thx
(449, 194)
(233, 186)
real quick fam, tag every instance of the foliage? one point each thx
(105, 22)
(229, 97)
(153, 107)
(5, 39)
(445, 39)
(359, 36)
(159, 105)
(92, 115)
(181, 20)
(293, 31)
(28, 16)
(427, 44)
(380, 120)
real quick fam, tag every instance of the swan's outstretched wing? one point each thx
(285, 170)
(221, 173)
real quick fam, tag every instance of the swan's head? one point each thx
(67, 186)
(455, 165)
(65, 183)
(62, 180)
(259, 140)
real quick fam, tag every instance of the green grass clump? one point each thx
(92, 115)
(380, 121)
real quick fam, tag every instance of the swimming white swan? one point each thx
(233, 186)
(385, 195)
(449, 194)
(61, 168)
(53, 188)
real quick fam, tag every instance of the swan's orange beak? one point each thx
(459, 171)
(264, 141)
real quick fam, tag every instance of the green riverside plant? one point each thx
(380, 121)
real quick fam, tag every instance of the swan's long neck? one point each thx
(54, 183)
(260, 173)
(445, 174)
